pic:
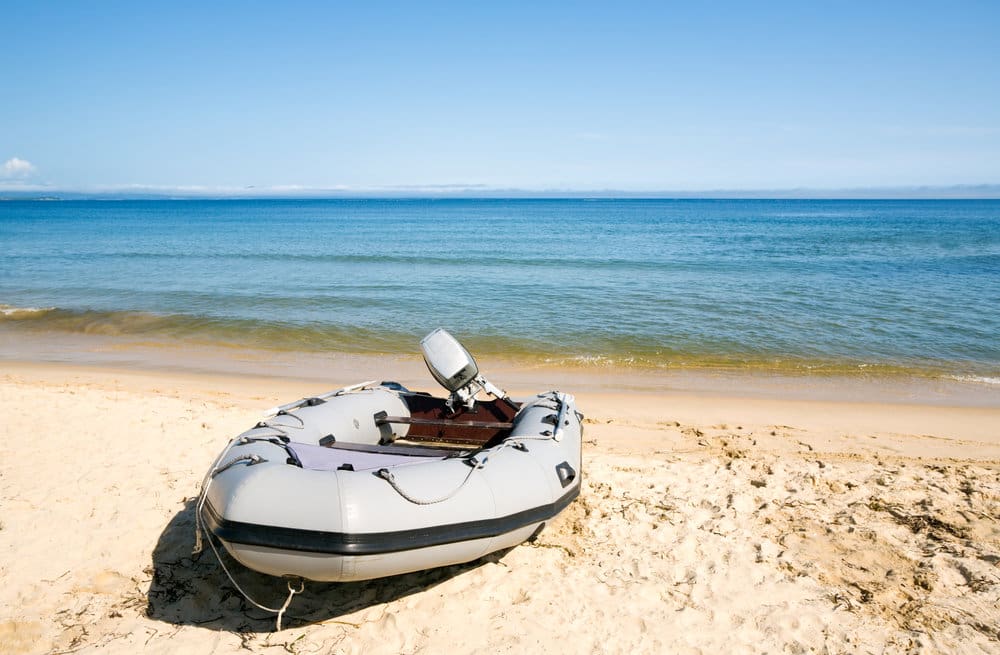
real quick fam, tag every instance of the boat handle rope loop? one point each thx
(252, 459)
(387, 475)
(281, 430)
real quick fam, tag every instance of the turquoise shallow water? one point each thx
(791, 285)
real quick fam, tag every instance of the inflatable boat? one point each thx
(376, 480)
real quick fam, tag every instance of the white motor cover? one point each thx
(448, 360)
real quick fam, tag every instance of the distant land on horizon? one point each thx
(472, 192)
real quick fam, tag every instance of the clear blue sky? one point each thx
(531, 95)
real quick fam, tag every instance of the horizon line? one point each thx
(480, 191)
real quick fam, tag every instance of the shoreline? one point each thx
(339, 369)
(902, 408)
(111, 340)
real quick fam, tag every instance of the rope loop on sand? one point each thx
(279, 611)
(291, 592)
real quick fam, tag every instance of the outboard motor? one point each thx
(455, 370)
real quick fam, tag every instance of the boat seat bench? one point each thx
(409, 420)
(432, 421)
(360, 457)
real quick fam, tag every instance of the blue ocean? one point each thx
(810, 286)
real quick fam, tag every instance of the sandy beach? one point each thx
(708, 523)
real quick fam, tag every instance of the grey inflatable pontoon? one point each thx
(375, 480)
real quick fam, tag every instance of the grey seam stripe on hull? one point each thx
(375, 543)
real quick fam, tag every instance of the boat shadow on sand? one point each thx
(194, 590)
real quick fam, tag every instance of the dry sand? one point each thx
(706, 525)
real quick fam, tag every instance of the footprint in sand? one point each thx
(107, 583)
(19, 636)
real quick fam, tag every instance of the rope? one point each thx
(291, 592)
(387, 475)
(300, 426)
(474, 465)
(276, 439)
(205, 484)
(253, 459)
(279, 430)
(199, 527)
(279, 611)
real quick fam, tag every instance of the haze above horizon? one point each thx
(439, 98)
